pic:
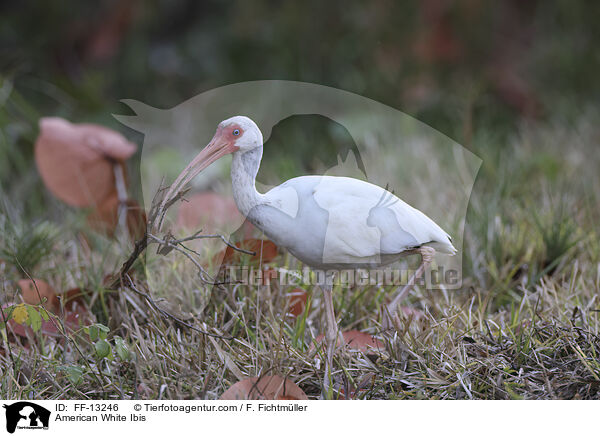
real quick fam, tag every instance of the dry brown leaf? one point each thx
(266, 251)
(297, 302)
(357, 341)
(46, 293)
(264, 388)
(208, 211)
(76, 161)
(106, 217)
(363, 342)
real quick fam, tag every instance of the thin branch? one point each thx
(157, 212)
(131, 286)
(138, 249)
(167, 243)
(222, 238)
(173, 245)
(160, 207)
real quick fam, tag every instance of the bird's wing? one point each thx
(353, 229)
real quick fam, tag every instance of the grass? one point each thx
(526, 324)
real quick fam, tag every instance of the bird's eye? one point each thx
(236, 132)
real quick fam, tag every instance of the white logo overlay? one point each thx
(400, 185)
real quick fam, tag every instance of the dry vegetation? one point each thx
(525, 325)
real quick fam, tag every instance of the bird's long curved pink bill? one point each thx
(216, 148)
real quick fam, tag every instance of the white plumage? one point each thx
(344, 222)
(327, 222)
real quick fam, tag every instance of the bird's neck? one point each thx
(244, 168)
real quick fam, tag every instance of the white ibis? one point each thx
(329, 223)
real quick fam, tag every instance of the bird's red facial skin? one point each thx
(226, 135)
(231, 129)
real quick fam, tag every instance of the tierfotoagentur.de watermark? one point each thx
(248, 275)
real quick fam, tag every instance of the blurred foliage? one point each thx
(462, 67)
(24, 245)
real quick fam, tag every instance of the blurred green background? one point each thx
(516, 82)
(472, 69)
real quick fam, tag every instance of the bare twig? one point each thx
(160, 205)
(138, 249)
(168, 242)
(142, 243)
(174, 244)
(197, 235)
(166, 314)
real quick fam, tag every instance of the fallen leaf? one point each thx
(297, 302)
(46, 292)
(363, 342)
(209, 211)
(265, 251)
(74, 315)
(19, 314)
(105, 218)
(264, 388)
(76, 161)
(357, 341)
(72, 321)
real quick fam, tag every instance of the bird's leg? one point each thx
(427, 254)
(330, 334)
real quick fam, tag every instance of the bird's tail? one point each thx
(445, 247)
